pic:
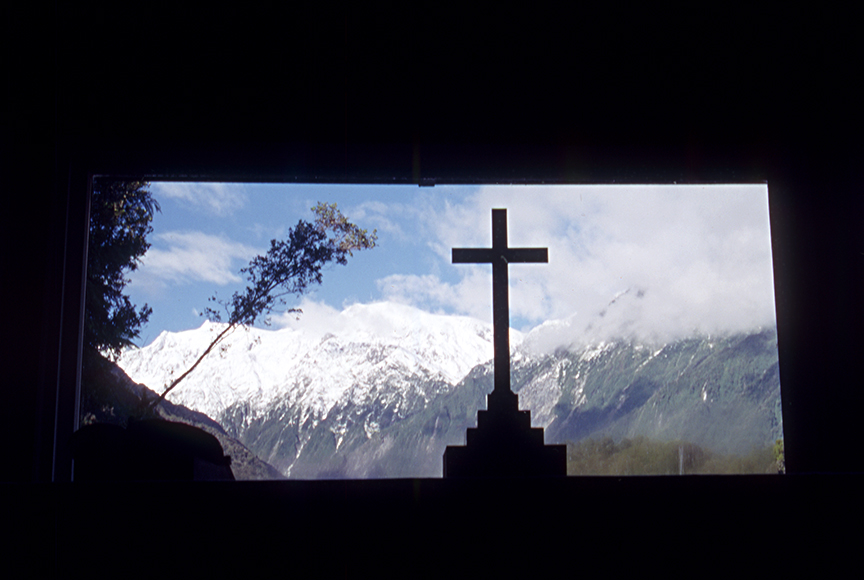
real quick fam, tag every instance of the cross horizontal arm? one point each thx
(488, 255)
(472, 255)
(527, 255)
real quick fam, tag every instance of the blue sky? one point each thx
(679, 259)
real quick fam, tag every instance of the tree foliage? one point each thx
(289, 267)
(293, 264)
(121, 213)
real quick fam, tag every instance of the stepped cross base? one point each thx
(504, 445)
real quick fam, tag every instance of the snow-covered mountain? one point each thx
(384, 355)
(255, 366)
(389, 387)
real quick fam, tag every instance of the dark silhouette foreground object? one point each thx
(151, 449)
(503, 444)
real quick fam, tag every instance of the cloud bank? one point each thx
(654, 262)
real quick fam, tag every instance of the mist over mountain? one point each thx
(391, 386)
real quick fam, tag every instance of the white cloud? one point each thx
(382, 215)
(215, 198)
(315, 318)
(471, 296)
(392, 217)
(691, 258)
(182, 257)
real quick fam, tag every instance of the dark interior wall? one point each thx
(588, 95)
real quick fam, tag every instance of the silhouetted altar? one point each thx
(503, 443)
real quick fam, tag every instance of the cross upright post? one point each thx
(499, 255)
(504, 444)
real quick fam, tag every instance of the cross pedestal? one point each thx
(503, 443)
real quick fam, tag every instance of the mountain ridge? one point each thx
(353, 403)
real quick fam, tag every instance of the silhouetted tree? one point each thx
(121, 213)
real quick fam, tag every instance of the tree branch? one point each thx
(292, 264)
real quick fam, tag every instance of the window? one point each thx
(648, 333)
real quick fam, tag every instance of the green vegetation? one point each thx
(780, 456)
(641, 456)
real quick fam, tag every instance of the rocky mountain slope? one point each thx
(110, 396)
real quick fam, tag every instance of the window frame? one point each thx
(78, 192)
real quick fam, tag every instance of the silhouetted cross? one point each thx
(499, 255)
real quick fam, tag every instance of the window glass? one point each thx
(647, 343)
